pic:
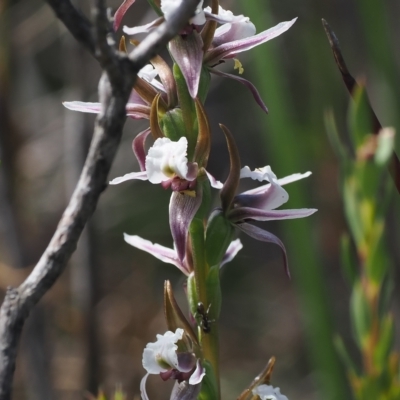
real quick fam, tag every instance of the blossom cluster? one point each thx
(172, 100)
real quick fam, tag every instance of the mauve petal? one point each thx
(184, 391)
(230, 49)
(264, 236)
(142, 176)
(197, 375)
(230, 32)
(123, 8)
(186, 361)
(246, 83)
(233, 249)
(188, 54)
(82, 106)
(139, 149)
(281, 181)
(182, 209)
(143, 392)
(137, 111)
(213, 182)
(247, 213)
(272, 197)
(162, 253)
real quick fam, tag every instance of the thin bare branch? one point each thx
(114, 90)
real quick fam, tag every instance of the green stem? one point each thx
(209, 340)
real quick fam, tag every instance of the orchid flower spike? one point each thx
(163, 358)
(267, 392)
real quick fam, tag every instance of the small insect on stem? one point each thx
(205, 322)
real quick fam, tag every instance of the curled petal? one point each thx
(229, 50)
(255, 214)
(138, 148)
(213, 182)
(142, 176)
(164, 254)
(185, 391)
(143, 392)
(233, 249)
(188, 54)
(264, 236)
(272, 197)
(182, 209)
(246, 83)
(230, 32)
(197, 375)
(186, 361)
(123, 8)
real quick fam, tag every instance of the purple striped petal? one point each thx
(123, 8)
(246, 83)
(142, 176)
(162, 253)
(247, 213)
(182, 209)
(233, 249)
(229, 50)
(139, 149)
(264, 236)
(184, 391)
(188, 54)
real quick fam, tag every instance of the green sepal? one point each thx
(188, 109)
(172, 125)
(192, 294)
(219, 235)
(209, 387)
(349, 261)
(204, 85)
(360, 315)
(214, 295)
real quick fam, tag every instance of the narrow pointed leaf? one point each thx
(139, 148)
(174, 315)
(167, 79)
(232, 182)
(154, 125)
(203, 144)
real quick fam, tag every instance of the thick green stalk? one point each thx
(285, 158)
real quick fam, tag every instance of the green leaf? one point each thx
(344, 355)
(385, 146)
(385, 343)
(349, 261)
(209, 387)
(360, 117)
(360, 315)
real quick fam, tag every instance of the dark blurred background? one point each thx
(90, 330)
